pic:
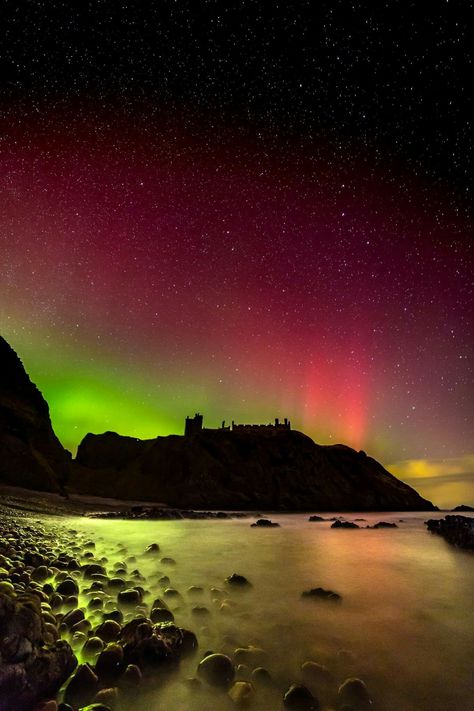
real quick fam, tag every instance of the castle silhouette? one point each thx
(193, 425)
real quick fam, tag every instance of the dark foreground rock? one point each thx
(32, 665)
(457, 530)
(321, 594)
(31, 454)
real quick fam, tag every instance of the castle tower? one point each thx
(192, 425)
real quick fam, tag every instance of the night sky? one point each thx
(247, 212)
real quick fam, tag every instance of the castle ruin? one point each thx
(193, 425)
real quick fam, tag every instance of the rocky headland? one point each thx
(279, 470)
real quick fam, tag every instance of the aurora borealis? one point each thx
(160, 258)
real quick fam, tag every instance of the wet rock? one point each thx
(109, 663)
(299, 698)
(152, 549)
(264, 523)
(195, 590)
(93, 569)
(95, 603)
(168, 561)
(317, 673)
(344, 524)
(31, 668)
(457, 530)
(82, 687)
(68, 587)
(217, 670)
(116, 615)
(73, 617)
(161, 614)
(129, 597)
(40, 573)
(262, 677)
(237, 580)
(321, 594)
(251, 655)
(241, 693)
(108, 697)
(200, 611)
(149, 645)
(316, 518)
(383, 524)
(108, 631)
(117, 584)
(131, 678)
(92, 648)
(353, 692)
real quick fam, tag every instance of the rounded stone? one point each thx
(161, 614)
(353, 692)
(300, 698)
(152, 549)
(92, 648)
(217, 670)
(132, 677)
(68, 587)
(129, 597)
(241, 693)
(108, 631)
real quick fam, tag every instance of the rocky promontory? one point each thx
(284, 470)
(272, 469)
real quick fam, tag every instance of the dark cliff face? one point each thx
(31, 456)
(285, 470)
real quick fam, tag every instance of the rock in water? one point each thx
(354, 693)
(344, 524)
(457, 530)
(32, 455)
(237, 580)
(217, 670)
(30, 669)
(300, 698)
(322, 594)
(264, 523)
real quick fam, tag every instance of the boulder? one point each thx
(31, 669)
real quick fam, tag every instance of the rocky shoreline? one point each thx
(82, 630)
(457, 530)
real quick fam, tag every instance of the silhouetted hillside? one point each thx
(30, 453)
(224, 469)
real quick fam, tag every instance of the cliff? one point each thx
(31, 455)
(283, 470)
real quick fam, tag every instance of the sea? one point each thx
(405, 623)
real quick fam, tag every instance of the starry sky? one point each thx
(248, 212)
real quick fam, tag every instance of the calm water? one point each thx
(407, 614)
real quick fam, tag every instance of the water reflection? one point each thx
(406, 617)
